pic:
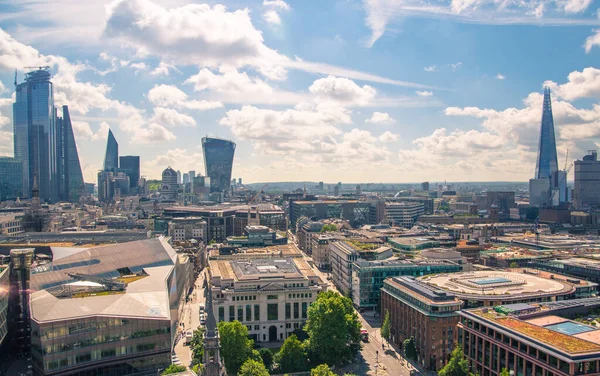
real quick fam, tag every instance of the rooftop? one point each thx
(422, 291)
(261, 268)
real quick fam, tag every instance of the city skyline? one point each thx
(361, 95)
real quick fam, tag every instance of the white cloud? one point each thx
(380, 118)
(171, 96)
(584, 84)
(6, 143)
(424, 93)
(576, 6)
(163, 69)
(276, 4)
(388, 136)
(592, 40)
(172, 118)
(455, 66)
(342, 90)
(430, 68)
(178, 158)
(272, 17)
(139, 66)
(228, 82)
(83, 131)
(2, 88)
(500, 77)
(4, 120)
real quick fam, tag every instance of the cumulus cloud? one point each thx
(592, 40)
(272, 17)
(229, 81)
(424, 93)
(172, 96)
(172, 118)
(83, 131)
(380, 118)
(584, 84)
(576, 6)
(388, 136)
(500, 77)
(430, 68)
(342, 90)
(280, 4)
(163, 69)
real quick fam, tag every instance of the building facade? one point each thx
(70, 174)
(11, 184)
(187, 229)
(11, 225)
(111, 157)
(218, 161)
(4, 298)
(403, 214)
(586, 192)
(427, 314)
(270, 296)
(357, 212)
(168, 185)
(130, 165)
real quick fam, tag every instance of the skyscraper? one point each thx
(586, 192)
(547, 162)
(35, 133)
(218, 161)
(11, 182)
(44, 142)
(111, 158)
(71, 177)
(130, 165)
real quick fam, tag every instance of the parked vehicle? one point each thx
(364, 335)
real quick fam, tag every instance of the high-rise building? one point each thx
(548, 182)
(11, 183)
(586, 192)
(178, 177)
(218, 161)
(35, 133)
(111, 158)
(186, 178)
(425, 186)
(130, 165)
(71, 177)
(168, 187)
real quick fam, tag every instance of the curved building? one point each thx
(168, 188)
(218, 161)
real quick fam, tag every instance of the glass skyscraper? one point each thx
(130, 165)
(218, 161)
(44, 142)
(111, 158)
(11, 182)
(547, 163)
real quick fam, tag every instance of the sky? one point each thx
(337, 90)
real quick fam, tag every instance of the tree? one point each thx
(504, 372)
(385, 327)
(333, 328)
(173, 368)
(253, 368)
(197, 346)
(321, 370)
(513, 265)
(267, 357)
(457, 365)
(291, 357)
(410, 349)
(328, 228)
(236, 348)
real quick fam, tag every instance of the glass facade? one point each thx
(130, 165)
(11, 184)
(546, 159)
(218, 161)
(120, 345)
(111, 158)
(71, 178)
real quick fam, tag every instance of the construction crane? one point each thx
(545, 205)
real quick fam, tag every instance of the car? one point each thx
(364, 335)
(202, 322)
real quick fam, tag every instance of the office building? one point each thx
(219, 218)
(11, 225)
(111, 157)
(257, 236)
(270, 296)
(586, 192)
(71, 186)
(178, 177)
(357, 212)
(425, 186)
(505, 200)
(531, 339)
(11, 184)
(130, 165)
(320, 250)
(4, 299)
(549, 185)
(187, 228)
(186, 178)
(403, 214)
(368, 276)
(169, 186)
(424, 312)
(218, 161)
(305, 228)
(112, 186)
(108, 310)
(21, 261)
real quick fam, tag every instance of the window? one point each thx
(240, 313)
(256, 312)
(288, 311)
(304, 308)
(272, 297)
(248, 312)
(296, 310)
(288, 325)
(231, 313)
(272, 312)
(256, 327)
(221, 313)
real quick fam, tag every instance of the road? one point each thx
(190, 319)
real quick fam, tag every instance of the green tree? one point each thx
(253, 368)
(385, 327)
(291, 357)
(267, 357)
(333, 328)
(328, 228)
(457, 365)
(513, 265)
(321, 370)
(410, 349)
(173, 368)
(504, 372)
(236, 348)
(197, 346)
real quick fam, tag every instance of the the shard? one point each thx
(111, 158)
(547, 163)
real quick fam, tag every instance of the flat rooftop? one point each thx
(498, 285)
(261, 268)
(282, 250)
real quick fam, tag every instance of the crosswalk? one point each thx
(175, 360)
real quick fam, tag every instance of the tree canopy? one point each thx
(457, 365)
(410, 349)
(291, 357)
(253, 368)
(333, 328)
(321, 370)
(328, 228)
(173, 368)
(504, 372)
(267, 357)
(385, 327)
(236, 348)
(197, 346)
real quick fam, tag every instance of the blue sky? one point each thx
(351, 91)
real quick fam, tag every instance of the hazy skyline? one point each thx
(356, 91)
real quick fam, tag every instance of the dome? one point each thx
(169, 172)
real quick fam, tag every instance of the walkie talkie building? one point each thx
(218, 161)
